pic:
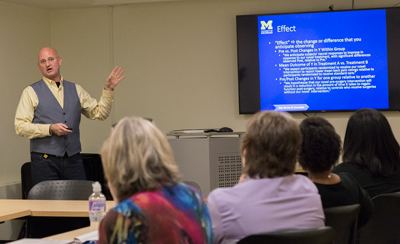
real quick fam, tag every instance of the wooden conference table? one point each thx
(13, 209)
(17, 208)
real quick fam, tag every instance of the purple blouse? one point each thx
(264, 205)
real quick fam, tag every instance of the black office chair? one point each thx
(94, 171)
(39, 227)
(343, 220)
(62, 190)
(26, 179)
(93, 167)
(26, 186)
(384, 225)
(323, 235)
(194, 184)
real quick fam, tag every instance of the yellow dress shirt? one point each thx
(29, 102)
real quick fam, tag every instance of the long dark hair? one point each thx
(369, 143)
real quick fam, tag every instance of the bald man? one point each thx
(49, 114)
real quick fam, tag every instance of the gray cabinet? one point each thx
(210, 159)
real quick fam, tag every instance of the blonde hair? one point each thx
(271, 145)
(137, 157)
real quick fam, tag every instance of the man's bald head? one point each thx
(49, 63)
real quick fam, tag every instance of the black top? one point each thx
(373, 184)
(347, 192)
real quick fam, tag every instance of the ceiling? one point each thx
(66, 4)
(63, 4)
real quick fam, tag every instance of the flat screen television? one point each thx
(319, 61)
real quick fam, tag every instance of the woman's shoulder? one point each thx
(347, 181)
(346, 177)
(343, 165)
(251, 187)
(183, 194)
(188, 186)
(220, 194)
(362, 175)
(126, 207)
(348, 167)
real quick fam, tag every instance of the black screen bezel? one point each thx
(248, 61)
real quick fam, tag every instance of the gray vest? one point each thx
(49, 111)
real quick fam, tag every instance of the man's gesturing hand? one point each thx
(114, 78)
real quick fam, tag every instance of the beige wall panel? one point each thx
(181, 60)
(24, 30)
(82, 38)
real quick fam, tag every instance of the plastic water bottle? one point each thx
(97, 205)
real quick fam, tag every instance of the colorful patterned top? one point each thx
(175, 215)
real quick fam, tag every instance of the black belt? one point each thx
(57, 156)
(64, 156)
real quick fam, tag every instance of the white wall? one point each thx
(24, 30)
(179, 59)
(83, 40)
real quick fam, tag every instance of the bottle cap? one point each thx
(96, 187)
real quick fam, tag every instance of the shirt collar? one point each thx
(52, 82)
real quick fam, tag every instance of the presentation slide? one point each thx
(323, 61)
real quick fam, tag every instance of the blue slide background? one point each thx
(370, 25)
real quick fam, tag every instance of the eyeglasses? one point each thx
(50, 60)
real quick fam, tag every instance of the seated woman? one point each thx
(270, 198)
(152, 205)
(319, 153)
(371, 153)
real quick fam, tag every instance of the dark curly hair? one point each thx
(321, 145)
(369, 143)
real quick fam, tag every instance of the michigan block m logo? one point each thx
(267, 25)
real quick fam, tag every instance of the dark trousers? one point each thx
(50, 167)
